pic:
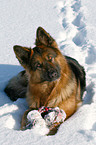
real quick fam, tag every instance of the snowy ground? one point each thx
(73, 24)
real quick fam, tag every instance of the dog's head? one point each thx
(43, 61)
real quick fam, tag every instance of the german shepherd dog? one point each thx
(49, 79)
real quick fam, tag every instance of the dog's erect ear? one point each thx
(42, 37)
(23, 54)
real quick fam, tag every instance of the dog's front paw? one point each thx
(30, 119)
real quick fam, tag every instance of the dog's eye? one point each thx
(38, 65)
(51, 59)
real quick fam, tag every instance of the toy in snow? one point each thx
(45, 117)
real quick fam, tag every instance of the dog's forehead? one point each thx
(37, 50)
(42, 51)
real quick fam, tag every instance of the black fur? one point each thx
(17, 86)
(79, 72)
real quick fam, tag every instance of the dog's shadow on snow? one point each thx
(88, 98)
(14, 110)
(6, 73)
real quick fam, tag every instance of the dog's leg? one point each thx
(54, 128)
(24, 120)
(69, 106)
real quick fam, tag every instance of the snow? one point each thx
(73, 24)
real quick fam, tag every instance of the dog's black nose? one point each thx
(53, 74)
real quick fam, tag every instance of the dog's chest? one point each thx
(41, 90)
